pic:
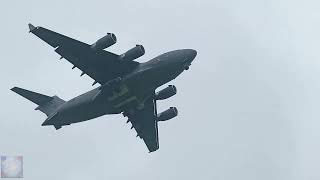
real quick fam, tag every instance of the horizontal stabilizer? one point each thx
(37, 98)
(46, 104)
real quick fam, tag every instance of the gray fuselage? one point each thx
(131, 91)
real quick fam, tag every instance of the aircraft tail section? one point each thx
(46, 104)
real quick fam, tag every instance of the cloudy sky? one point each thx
(248, 106)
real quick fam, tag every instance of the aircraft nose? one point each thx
(190, 54)
(193, 54)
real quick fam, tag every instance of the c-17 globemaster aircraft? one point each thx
(126, 86)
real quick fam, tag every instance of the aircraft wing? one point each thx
(100, 65)
(145, 123)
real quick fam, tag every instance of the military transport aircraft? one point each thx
(126, 86)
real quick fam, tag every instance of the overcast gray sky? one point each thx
(248, 106)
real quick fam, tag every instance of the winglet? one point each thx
(31, 27)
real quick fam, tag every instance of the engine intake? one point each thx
(168, 114)
(167, 92)
(133, 53)
(107, 41)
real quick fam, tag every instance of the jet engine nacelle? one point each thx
(133, 53)
(166, 92)
(168, 114)
(107, 41)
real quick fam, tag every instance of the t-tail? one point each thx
(46, 104)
